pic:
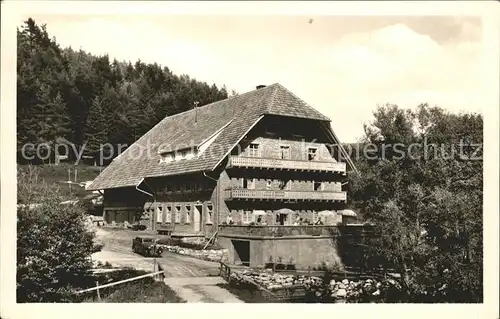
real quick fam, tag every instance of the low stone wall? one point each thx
(369, 290)
(208, 254)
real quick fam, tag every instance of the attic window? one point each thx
(178, 155)
(253, 150)
(285, 152)
(166, 158)
(181, 155)
(312, 154)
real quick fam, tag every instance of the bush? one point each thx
(54, 246)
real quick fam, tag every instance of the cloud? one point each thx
(393, 64)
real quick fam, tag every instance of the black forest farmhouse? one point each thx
(263, 171)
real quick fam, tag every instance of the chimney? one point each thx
(196, 111)
(260, 86)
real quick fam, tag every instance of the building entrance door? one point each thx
(197, 217)
(241, 252)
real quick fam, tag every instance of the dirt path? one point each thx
(118, 252)
(201, 289)
(193, 279)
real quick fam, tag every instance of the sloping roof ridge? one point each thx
(215, 102)
(248, 92)
(267, 109)
(301, 100)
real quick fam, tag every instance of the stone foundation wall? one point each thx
(304, 253)
(208, 254)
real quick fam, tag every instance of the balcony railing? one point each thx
(278, 231)
(243, 193)
(283, 164)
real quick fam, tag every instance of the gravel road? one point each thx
(193, 279)
(118, 251)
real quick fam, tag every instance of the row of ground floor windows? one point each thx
(180, 213)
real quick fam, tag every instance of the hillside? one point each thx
(82, 100)
(54, 175)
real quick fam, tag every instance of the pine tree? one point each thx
(96, 128)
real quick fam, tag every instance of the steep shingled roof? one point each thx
(235, 116)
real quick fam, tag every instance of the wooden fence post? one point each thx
(98, 294)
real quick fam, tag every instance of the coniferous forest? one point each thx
(71, 97)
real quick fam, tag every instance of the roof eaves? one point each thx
(236, 143)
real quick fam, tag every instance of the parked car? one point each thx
(146, 246)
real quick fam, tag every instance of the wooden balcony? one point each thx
(277, 231)
(255, 194)
(289, 165)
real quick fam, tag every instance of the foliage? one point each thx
(145, 290)
(421, 184)
(51, 176)
(89, 100)
(53, 245)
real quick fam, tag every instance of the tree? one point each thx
(96, 128)
(422, 187)
(53, 121)
(53, 245)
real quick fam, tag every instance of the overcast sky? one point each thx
(342, 66)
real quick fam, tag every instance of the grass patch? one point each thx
(52, 175)
(145, 290)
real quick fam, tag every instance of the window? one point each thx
(166, 158)
(247, 217)
(148, 213)
(177, 214)
(315, 216)
(253, 150)
(285, 185)
(188, 214)
(337, 187)
(318, 186)
(312, 154)
(159, 214)
(249, 183)
(190, 154)
(285, 152)
(269, 183)
(210, 210)
(180, 155)
(168, 218)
